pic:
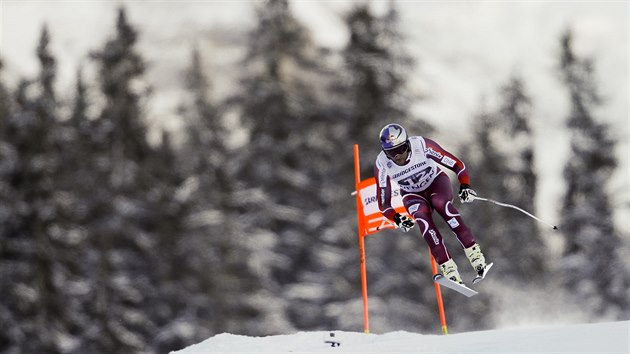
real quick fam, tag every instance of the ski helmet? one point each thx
(394, 140)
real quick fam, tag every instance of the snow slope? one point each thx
(612, 337)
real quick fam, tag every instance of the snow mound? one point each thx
(611, 337)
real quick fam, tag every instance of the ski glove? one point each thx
(466, 195)
(404, 223)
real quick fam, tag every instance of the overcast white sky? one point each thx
(465, 51)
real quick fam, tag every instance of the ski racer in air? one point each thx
(412, 163)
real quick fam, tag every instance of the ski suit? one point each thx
(424, 187)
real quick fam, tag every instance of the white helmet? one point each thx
(394, 140)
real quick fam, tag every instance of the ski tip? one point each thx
(436, 276)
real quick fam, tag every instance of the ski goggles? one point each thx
(397, 150)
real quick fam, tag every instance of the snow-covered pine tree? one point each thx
(377, 68)
(124, 243)
(486, 165)
(502, 163)
(517, 240)
(176, 301)
(34, 243)
(76, 182)
(285, 161)
(214, 239)
(14, 265)
(592, 268)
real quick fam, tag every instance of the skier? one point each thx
(412, 162)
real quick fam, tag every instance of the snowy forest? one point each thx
(111, 242)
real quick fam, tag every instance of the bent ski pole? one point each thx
(514, 207)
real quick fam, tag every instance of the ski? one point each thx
(480, 277)
(460, 288)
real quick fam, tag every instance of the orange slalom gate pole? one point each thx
(361, 226)
(438, 295)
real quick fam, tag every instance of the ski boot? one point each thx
(476, 258)
(449, 270)
(477, 261)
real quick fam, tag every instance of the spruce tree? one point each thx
(592, 268)
(175, 301)
(377, 66)
(122, 237)
(38, 190)
(76, 183)
(501, 161)
(516, 239)
(282, 167)
(39, 262)
(11, 336)
(213, 238)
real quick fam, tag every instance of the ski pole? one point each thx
(474, 197)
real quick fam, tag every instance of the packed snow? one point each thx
(610, 337)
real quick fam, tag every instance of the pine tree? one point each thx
(514, 239)
(377, 67)
(12, 336)
(501, 159)
(174, 301)
(37, 190)
(214, 240)
(591, 265)
(205, 146)
(123, 240)
(36, 246)
(75, 184)
(282, 166)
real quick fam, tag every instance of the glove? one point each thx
(404, 223)
(466, 195)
